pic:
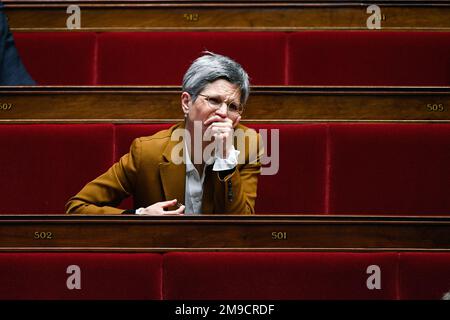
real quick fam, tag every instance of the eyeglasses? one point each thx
(215, 104)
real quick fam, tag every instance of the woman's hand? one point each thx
(158, 208)
(220, 130)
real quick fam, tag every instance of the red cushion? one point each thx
(369, 58)
(126, 133)
(299, 185)
(42, 166)
(300, 275)
(162, 58)
(59, 58)
(424, 276)
(390, 169)
(25, 276)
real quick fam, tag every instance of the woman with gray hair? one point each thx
(195, 167)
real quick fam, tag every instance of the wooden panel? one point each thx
(222, 233)
(266, 104)
(207, 16)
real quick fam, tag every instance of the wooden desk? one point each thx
(219, 15)
(130, 233)
(283, 104)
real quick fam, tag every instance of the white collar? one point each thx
(189, 165)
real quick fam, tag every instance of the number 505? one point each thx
(435, 107)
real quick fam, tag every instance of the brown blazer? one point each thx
(148, 174)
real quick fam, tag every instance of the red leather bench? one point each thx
(424, 275)
(224, 276)
(368, 58)
(300, 184)
(271, 58)
(323, 168)
(42, 166)
(162, 58)
(59, 58)
(389, 169)
(80, 276)
(145, 58)
(287, 276)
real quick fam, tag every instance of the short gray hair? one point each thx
(211, 67)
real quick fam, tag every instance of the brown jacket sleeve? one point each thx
(108, 190)
(235, 193)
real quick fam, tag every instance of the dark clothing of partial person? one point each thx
(12, 71)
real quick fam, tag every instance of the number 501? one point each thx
(279, 235)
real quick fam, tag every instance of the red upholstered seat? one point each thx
(54, 58)
(369, 58)
(390, 169)
(271, 58)
(323, 168)
(42, 166)
(25, 276)
(300, 183)
(125, 134)
(162, 58)
(424, 276)
(299, 275)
